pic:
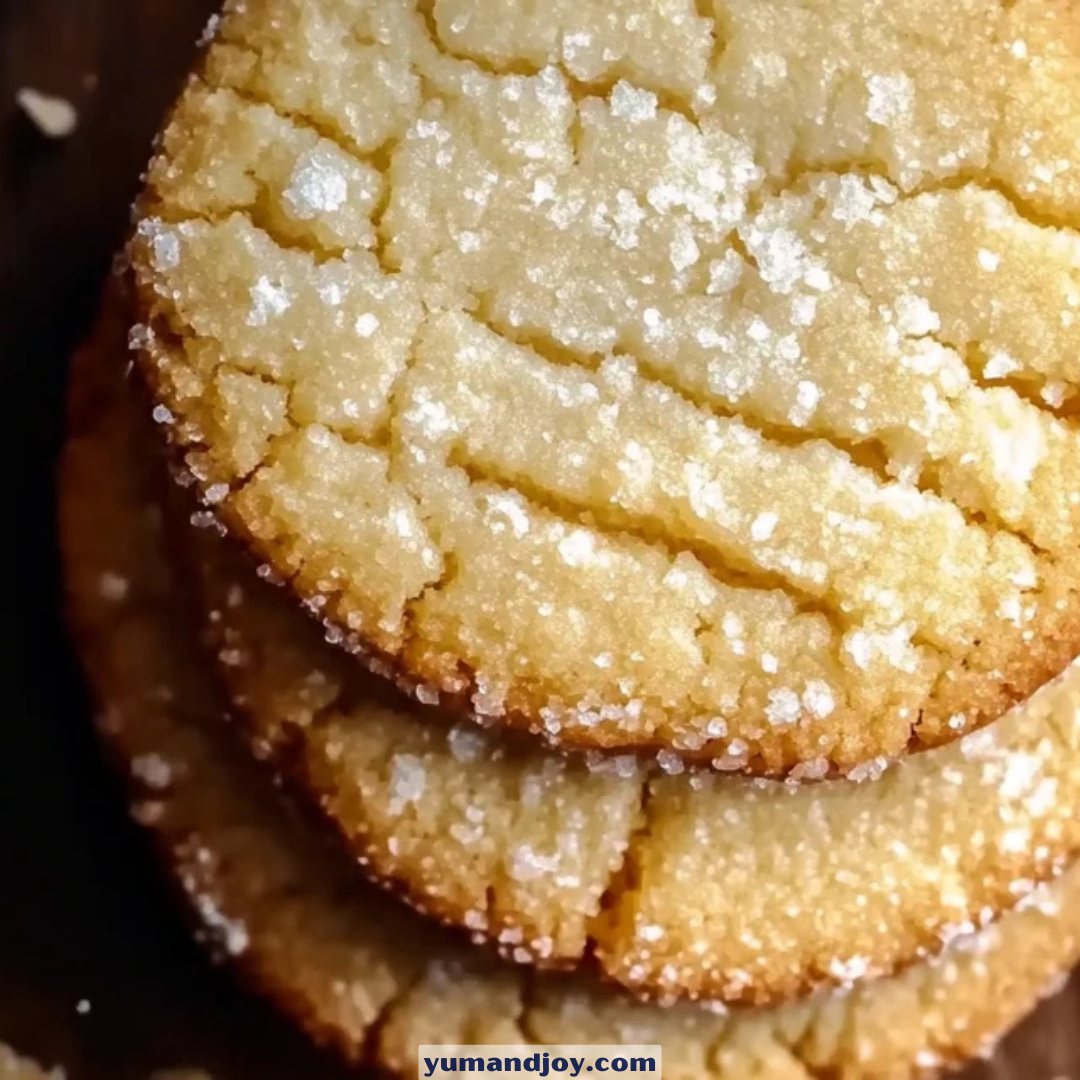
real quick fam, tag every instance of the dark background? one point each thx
(83, 917)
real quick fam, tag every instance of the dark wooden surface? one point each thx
(83, 917)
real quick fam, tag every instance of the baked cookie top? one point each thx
(360, 971)
(686, 376)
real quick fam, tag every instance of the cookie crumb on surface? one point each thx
(53, 116)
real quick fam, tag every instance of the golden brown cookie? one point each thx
(678, 885)
(699, 377)
(363, 973)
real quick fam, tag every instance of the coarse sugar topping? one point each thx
(615, 368)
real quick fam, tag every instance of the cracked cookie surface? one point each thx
(358, 970)
(700, 378)
(676, 883)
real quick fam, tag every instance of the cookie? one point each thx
(685, 885)
(14, 1067)
(699, 377)
(360, 971)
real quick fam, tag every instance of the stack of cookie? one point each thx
(616, 465)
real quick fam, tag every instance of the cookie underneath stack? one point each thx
(687, 393)
(270, 889)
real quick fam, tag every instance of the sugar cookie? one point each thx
(629, 373)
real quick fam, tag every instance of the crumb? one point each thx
(53, 116)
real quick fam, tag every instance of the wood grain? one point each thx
(82, 914)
